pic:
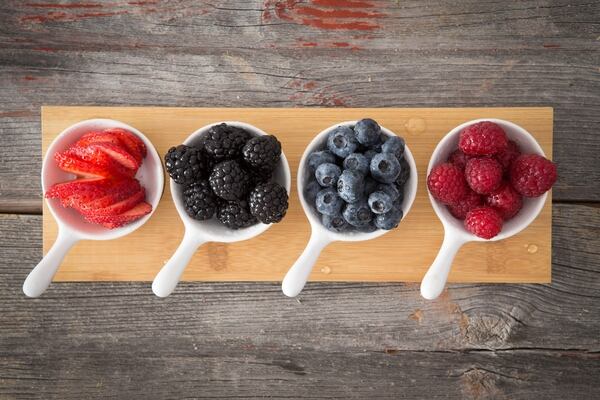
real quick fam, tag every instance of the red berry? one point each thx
(458, 158)
(484, 222)
(446, 183)
(532, 175)
(482, 139)
(506, 157)
(483, 175)
(505, 200)
(470, 201)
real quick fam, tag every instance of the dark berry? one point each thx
(394, 145)
(341, 141)
(311, 190)
(320, 157)
(370, 185)
(380, 202)
(385, 167)
(369, 154)
(185, 164)
(229, 181)
(335, 223)
(328, 202)
(357, 162)
(350, 186)
(390, 190)
(327, 174)
(268, 202)
(404, 174)
(368, 132)
(199, 200)
(357, 214)
(225, 141)
(389, 220)
(235, 215)
(262, 152)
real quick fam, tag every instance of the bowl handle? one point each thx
(296, 277)
(41, 276)
(168, 277)
(434, 281)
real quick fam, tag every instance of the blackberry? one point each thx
(268, 202)
(235, 215)
(229, 181)
(262, 152)
(199, 200)
(185, 164)
(225, 142)
(259, 176)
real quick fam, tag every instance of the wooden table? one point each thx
(234, 340)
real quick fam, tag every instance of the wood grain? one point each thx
(398, 256)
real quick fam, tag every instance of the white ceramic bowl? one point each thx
(72, 227)
(455, 234)
(296, 278)
(199, 232)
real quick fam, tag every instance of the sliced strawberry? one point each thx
(118, 153)
(123, 205)
(78, 190)
(119, 191)
(132, 138)
(115, 221)
(97, 137)
(70, 163)
(94, 156)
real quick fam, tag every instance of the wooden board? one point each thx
(402, 255)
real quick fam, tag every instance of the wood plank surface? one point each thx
(401, 255)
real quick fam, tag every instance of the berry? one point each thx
(262, 152)
(368, 228)
(199, 200)
(268, 202)
(311, 190)
(404, 174)
(458, 158)
(116, 192)
(327, 174)
(446, 183)
(390, 190)
(225, 141)
(358, 214)
(328, 202)
(466, 204)
(70, 163)
(235, 215)
(380, 202)
(370, 185)
(368, 132)
(532, 175)
(505, 200)
(229, 181)
(320, 157)
(484, 222)
(357, 162)
(350, 186)
(259, 176)
(185, 164)
(483, 175)
(482, 139)
(506, 157)
(369, 154)
(389, 220)
(115, 221)
(335, 223)
(394, 145)
(132, 143)
(385, 167)
(341, 141)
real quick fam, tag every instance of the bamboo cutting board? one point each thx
(401, 255)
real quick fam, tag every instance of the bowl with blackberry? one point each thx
(357, 180)
(230, 181)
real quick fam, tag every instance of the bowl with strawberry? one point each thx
(102, 179)
(487, 180)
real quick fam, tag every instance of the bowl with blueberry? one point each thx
(357, 180)
(230, 181)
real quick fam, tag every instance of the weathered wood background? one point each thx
(338, 340)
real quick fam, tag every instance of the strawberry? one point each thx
(97, 137)
(78, 190)
(70, 163)
(118, 154)
(119, 191)
(130, 141)
(100, 159)
(124, 205)
(115, 221)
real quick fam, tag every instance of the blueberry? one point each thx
(367, 132)
(358, 214)
(380, 202)
(341, 141)
(319, 157)
(370, 185)
(328, 202)
(357, 162)
(311, 190)
(327, 174)
(389, 220)
(385, 167)
(404, 173)
(368, 228)
(335, 223)
(350, 186)
(390, 190)
(369, 154)
(394, 145)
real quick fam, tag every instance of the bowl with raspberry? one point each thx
(487, 180)
(356, 181)
(230, 181)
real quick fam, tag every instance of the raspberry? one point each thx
(506, 157)
(469, 202)
(446, 183)
(483, 175)
(532, 175)
(482, 139)
(458, 158)
(484, 222)
(505, 200)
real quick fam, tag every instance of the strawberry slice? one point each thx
(78, 190)
(119, 191)
(101, 159)
(97, 137)
(130, 142)
(115, 221)
(118, 153)
(70, 163)
(123, 205)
